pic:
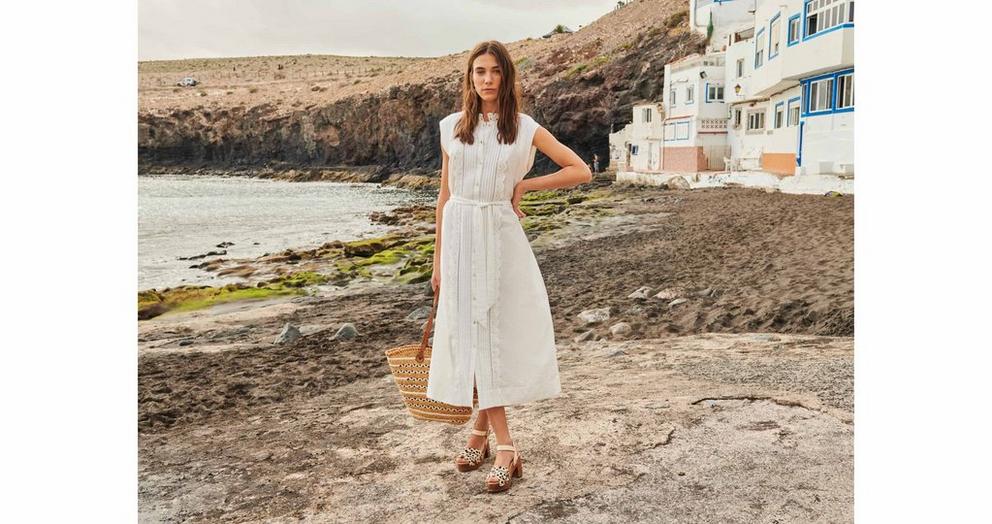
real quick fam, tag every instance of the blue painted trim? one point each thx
(676, 131)
(709, 100)
(788, 29)
(799, 148)
(770, 22)
(805, 82)
(846, 25)
(788, 110)
(755, 57)
(805, 14)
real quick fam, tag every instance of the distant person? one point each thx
(494, 332)
(595, 163)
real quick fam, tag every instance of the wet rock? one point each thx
(288, 334)
(346, 332)
(592, 316)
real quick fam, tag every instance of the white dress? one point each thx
(493, 327)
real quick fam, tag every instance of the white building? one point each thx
(792, 95)
(695, 134)
(638, 146)
(780, 105)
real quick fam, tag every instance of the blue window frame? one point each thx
(774, 36)
(759, 48)
(793, 111)
(714, 93)
(829, 98)
(826, 16)
(794, 29)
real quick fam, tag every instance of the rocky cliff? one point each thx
(580, 86)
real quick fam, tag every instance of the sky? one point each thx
(172, 29)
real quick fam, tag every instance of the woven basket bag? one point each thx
(410, 366)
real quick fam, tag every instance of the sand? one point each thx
(234, 427)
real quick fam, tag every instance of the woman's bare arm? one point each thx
(442, 197)
(573, 170)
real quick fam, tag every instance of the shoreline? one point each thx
(427, 179)
(403, 255)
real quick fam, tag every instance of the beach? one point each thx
(745, 330)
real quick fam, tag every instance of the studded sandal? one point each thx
(471, 458)
(500, 477)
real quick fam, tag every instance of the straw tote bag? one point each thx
(410, 366)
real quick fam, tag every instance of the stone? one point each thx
(708, 292)
(677, 182)
(620, 329)
(669, 294)
(677, 301)
(420, 313)
(288, 334)
(346, 332)
(642, 292)
(592, 316)
(588, 335)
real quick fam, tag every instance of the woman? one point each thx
(493, 331)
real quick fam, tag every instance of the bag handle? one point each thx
(427, 327)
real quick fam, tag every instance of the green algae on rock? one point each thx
(152, 303)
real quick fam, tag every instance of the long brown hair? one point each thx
(508, 97)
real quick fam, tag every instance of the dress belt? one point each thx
(479, 203)
(484, 273)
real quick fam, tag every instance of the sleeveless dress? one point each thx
(493, 328)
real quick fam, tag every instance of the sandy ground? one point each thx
(732, 406)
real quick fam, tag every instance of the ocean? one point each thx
(188, 215)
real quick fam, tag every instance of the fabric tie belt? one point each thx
(476, 250)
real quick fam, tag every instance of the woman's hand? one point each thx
(518, 193)
(435, 278)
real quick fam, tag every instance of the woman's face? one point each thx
(486, 77)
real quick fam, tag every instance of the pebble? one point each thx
(288, 334)
(346, 332)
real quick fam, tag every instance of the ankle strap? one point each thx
(480, 432)
(505, 447)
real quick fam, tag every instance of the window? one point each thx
(682, 131)
(647, 115)
(737, 118)
(714, 93)
(740, 67)
(755, 120)
(820, 93)
(774, 37)
(845, 91)
(794, 112)
(759, 50)
(689, 94)
(793, 29)
(669, 131)
(779, 115)
(671, 97)
(633, 150)
(824, 14)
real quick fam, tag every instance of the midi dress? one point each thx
(493, 327)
